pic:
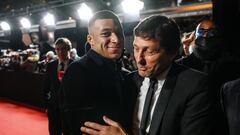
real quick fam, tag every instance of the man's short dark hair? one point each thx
(161, 28)
(104, 14)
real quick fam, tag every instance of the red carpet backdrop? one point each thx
(16, 119)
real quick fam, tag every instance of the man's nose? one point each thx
(205, 34)
(140, 58)
(114, 38)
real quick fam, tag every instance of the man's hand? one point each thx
(187, 39)
(112, 128)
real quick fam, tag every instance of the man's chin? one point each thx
(143, 74)
(114, 56)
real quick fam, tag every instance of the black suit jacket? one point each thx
(221, 70)
(183, 106)
(92, 87)
(51, 86)
(231, 104)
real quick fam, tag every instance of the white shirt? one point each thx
(141, 99)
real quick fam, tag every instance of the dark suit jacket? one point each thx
(221, 70)
(231, 104)
(52, 85)
(92, 87)
(183, 106)
(191, 61)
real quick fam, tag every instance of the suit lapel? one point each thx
(138, 79)
(163, 100)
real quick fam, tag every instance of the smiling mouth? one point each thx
(113, 47)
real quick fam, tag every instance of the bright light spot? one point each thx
(108, 4)
(49, 19)
(25, 23)
(51, 35)
(132, 6)
(5, 26)
(84, 12)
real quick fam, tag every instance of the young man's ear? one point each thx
(90, 40)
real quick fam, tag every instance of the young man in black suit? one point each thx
(92, 86)
(54, 73)
(168, 99)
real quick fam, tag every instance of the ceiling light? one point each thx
(5, 26)
(84, 12)
(25, 23)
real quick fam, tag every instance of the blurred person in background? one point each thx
(31, 60)
(53, 77)
(49, 57)
(210, 57)
(73, 54)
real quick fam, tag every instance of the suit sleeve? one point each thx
(72, 98)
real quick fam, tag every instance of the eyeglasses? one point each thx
(212, 32)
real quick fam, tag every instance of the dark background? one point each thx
(225, 14)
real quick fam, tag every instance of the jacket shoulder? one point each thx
(228, 86)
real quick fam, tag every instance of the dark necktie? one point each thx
(147, 104)
(61, 66)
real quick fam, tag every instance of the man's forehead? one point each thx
(207, 24)
(103, 24)
(145, 41)
(104, 21)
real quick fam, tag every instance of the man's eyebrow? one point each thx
(106, 29)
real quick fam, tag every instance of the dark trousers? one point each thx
(54, 122)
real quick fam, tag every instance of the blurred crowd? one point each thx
(19, 60)
(30, 60)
